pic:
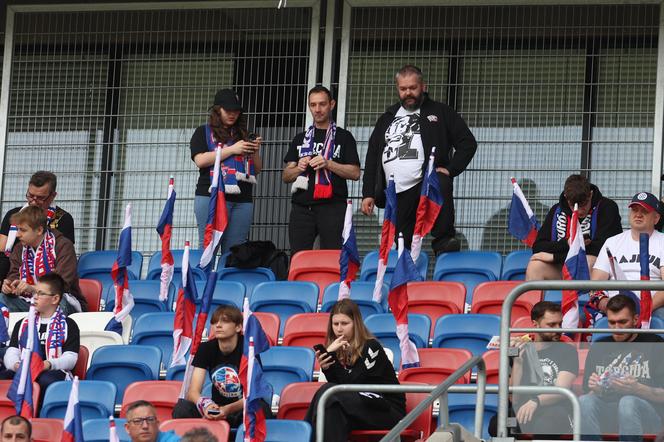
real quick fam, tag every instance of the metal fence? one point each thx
(107, 97)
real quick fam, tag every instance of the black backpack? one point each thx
(252, 254)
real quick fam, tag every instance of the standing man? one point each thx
(318, 163)
(400, 145)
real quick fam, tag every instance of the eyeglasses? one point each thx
(40, 293)
(139, 421)
(37, 198)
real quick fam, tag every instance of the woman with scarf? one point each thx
(241, 162)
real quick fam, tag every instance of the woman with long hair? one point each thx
(354, 356)
(241, 162)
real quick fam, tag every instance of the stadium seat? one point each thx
(93, 340)
(15, 317)
(175, 372)
(146, 298)
(361, 292)
(154, 265)
(488, 298)
(436, 298)
(436, 365)
(492, 364)
(46, 430)
(469, 267)
(281, 430)
(96, 398)
(285, 365)
(318, 266)
(82, 362)
(285, 298)
(655, 323)
(225, 293)
(97, 265)
(295, 400)
(384, 328)
(7, 405)
(306, 330)
(155, 329)
(470, 331)
(97, 321)
(462, 411)
(96, 430)
(125, 364)
(91, 290)
(369, 267)
(271, 324)
(514, 265)
(249, 277)
(220, 429)
(162, 394)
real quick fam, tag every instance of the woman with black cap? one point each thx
(227, 128)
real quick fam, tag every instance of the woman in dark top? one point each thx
(241, 162)
(354, 356)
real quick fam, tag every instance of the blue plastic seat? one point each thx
(285, 365)
(362, 293)
(282, 430)
(97, 399)
(97, 265)
(384, 328)
(96, 430)
(514, 265)
(369, 267)
(155, 329)
(285, 298)
(124, 364)
(469, 267)
(225, 293)
(470, 331)
(655, 322)
(249, 277)
(462, 411)
(154, 266)
(557, 296)
(146, 298)
(176, 372)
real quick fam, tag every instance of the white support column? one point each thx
(329, 43)
(343, 65)
(4, 89)
(658, 126)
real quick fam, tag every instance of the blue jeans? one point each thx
(634, 416)
(240, 217)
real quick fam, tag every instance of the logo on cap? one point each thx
(642, 196)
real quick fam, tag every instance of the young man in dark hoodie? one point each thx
(599, 217)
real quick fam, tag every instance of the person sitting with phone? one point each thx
(219, 359)
(353, 356)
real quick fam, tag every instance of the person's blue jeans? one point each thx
(240, 217)
(634, 416)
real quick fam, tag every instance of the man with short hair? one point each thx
(318, 163)
(143, 425)
(599, 218)
(16, 429)
(41, 193)
(400, 145)
(201, 434)
(623, 375)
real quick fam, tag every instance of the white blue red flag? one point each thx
(575, 268)
(255, 388)
(31, 365)
(646, 296)
(185, 310)
(165, 230)
(349, 258)
(522, 223)
(112, 430)
(217, 217)
(124, 301)
(4, 324)
(387, 236)
(73, 422)
(431, 201)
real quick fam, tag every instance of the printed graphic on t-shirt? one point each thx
(631, 364)
(399, 136)
(227, 381)
(550, 369)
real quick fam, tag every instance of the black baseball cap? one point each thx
(646, 200)
(228, 99)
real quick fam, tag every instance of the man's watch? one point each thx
(536, 400)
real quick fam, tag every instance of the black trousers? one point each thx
(547, 420)
(325, 220)
(185, 409)
(46, 378)
(348, 411)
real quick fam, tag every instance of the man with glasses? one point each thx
(599, 217)
(143, 425)
(41, 193)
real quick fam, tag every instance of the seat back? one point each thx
(82, 362)
(46, 430)
(146, 297)
(281, 430)
(225, 293)
(318, 266)
(96, 399)
(296, 399)
(249, 277)
(285, 365)
(369, 267)
(97, 430)
(462, 411)
(7, 407)
(154, 265)
(514, 265)
(305, 330)
(97, 321)
(488, 298)
(271, 324)
(469, 267)
(492, 364)
(384, 328)
(97, 265)
(436, 365)
(436, 298)
(155, 329)
(285, 298)
(163, 395)
(470, 331)
(92, 340)
(361, 292)
(91, 290)
(220, 429)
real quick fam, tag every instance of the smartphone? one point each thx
(214, 412)
(252, 136)
(323, 351)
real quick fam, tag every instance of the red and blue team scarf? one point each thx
(36, 263)
(323, 177)
(11, 235)
(234, 168)
(56, 333)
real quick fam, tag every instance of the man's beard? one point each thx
(416, 104)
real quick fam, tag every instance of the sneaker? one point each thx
(451, 245)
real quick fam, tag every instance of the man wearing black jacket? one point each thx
(400, 145)
(599, 217)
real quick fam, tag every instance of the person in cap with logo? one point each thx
(241, 162)
(624, 247)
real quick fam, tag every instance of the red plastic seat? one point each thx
(318, 266)
(162, 394)
(491, 362)
(436, 298)
(306, 329)
(46, 430)
(7, 406)
(82, 362)
(488, 298)
(271, 324)
(91, 289)
(436, 365)
(220, 429)
(296, 398)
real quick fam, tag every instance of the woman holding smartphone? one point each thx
(241, 162)
(354, 356)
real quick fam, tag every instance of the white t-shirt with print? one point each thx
(403, 154)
